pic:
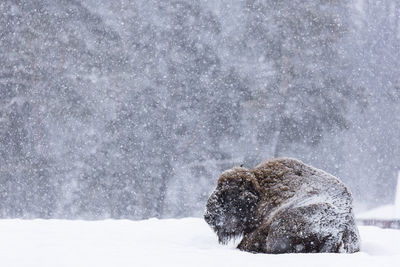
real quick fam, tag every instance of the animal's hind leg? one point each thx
(293, 243)
(297, 230)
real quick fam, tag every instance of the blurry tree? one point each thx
(373, 144)
(52, 54)
(26, 188)
(180, 104)
(308, 90)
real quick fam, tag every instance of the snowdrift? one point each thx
(173, 242)
(387, 212)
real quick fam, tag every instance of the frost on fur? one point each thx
(283, 206)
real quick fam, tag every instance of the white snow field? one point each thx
(387, 212)
(172, 242)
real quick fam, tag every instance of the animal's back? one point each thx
(299, 198)
(285, 180)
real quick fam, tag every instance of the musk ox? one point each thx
(283, 206)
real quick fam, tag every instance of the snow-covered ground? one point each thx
(387, 212)
(174, 242)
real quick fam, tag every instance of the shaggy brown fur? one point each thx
(283, 206)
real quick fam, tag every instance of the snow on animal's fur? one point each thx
(283, 206)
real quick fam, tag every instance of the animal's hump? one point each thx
(286, 177)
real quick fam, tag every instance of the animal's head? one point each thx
(231, 208)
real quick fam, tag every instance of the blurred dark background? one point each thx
(131, 109)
